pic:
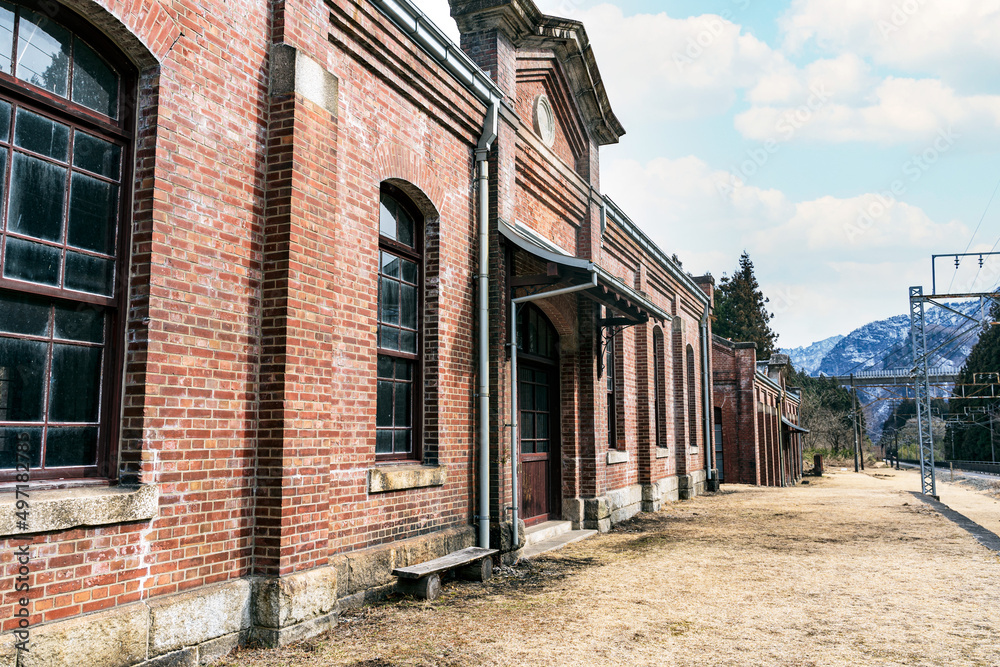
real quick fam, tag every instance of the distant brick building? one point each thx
(758, 439)
(245, 364)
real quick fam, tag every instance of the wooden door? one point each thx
(538, 417)
(538, 420)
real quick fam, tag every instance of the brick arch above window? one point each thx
(400, 166)
(143, 31)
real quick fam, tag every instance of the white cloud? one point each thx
(897, 110)
(940, 37)
(827, 264)
(669, 68)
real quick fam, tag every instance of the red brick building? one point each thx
(262, 266)
(756, 416)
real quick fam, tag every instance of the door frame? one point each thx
(533, 362)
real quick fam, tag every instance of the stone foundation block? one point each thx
(216, 649)
(624, 503)
(573, 512)
(8, 652)
(184, 658)
(113, 638)
(283, 601)
(655, 495)
(192, 618)
(286, 635)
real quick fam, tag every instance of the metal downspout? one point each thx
(781, 439)
(514, 426)
(706, 395)
(482, 153)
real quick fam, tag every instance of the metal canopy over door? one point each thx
(538, 418)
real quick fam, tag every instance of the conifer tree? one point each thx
(972, 439)
(741, 310)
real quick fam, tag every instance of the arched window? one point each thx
(692, 400)
(400, 284)
(66, 101)
(659, 390)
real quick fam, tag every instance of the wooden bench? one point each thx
(424, 579)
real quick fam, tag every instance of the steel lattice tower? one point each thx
(922, 391)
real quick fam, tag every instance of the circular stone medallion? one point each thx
(545, 120)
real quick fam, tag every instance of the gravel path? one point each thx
(850, 569)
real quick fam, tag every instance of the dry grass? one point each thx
(847, 570)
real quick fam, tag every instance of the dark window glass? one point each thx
(32, 262)
(395, 222)
(383, 441)
(12, 436)
(47, 51)
(39, 134)
(398, 326)
(96, 155)
(388, 338)
(526, 393)
(408, 306)
(43, 53)
(75, 386)
(89, 274)
(93, 208)
(384, 409)
(389, 294)
(408, 341)
(80, 322)
(95, 84)
(6, 36)
(22, 367)
(4, 119)
(542, 424)
(37, 195)
(611, 369)
(71, 446)
(21, 314)
(535, 334)
(659, 395)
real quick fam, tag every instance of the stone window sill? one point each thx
(617, 456)
(61, 509)
(401, 477)
(662, 452)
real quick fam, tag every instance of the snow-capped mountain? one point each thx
(808, 358)
(885, 344)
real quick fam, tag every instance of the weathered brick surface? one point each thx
(757, 448)
(250, 357)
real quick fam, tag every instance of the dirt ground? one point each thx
(849, 569)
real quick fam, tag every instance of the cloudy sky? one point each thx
(840, 143)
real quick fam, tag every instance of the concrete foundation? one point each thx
(655, 495)
(691, 485)
(202, 626)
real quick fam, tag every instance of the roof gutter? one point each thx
(612, 211)
(706, 393)
(437, 45)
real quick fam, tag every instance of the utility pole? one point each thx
(854, 420)
(993, 455)
(895, 436)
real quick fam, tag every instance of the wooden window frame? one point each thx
(120, 131)
(414, 254)
(659, 389)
